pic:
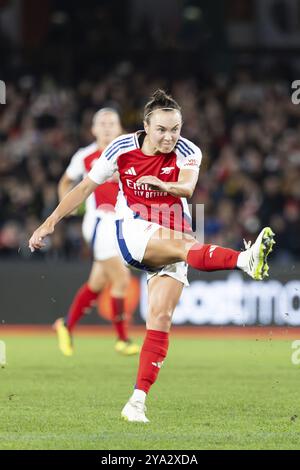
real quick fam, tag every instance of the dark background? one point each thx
(230, 64)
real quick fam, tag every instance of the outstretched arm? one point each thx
(70, 202)
(65, 185)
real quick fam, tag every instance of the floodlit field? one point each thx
(211, 394)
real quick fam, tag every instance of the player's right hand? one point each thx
(36, 240)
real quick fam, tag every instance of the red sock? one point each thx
(83, 301)
(152, 355)
(118, 317)
(212, 257)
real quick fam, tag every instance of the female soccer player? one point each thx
(98, 230)
(158, 169)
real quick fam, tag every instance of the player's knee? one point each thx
(160, 317)
(183, 246)
(121, 283)
(96, 284)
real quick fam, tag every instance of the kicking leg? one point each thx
(167, 247)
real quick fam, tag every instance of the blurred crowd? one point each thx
(248, 131)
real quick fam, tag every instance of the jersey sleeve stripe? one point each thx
(116, 150)
(115, 145)
(136, 141)
(185, 145)
(183, 151)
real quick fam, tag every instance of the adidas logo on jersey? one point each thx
(167, 170)
(131, 171)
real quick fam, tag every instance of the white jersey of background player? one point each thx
(99, 232)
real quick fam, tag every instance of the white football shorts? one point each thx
(99, 231)
(133, 236)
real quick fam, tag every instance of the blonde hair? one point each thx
(105, 110)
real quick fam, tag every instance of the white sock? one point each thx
(139, 395)
(241, 261)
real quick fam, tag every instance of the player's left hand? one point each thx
(153, 183)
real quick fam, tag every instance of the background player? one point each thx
(98, 231)
(158, 169)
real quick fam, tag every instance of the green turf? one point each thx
(212, 394)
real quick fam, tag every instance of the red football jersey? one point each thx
(124, 154)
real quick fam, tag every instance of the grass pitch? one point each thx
(211, 394)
